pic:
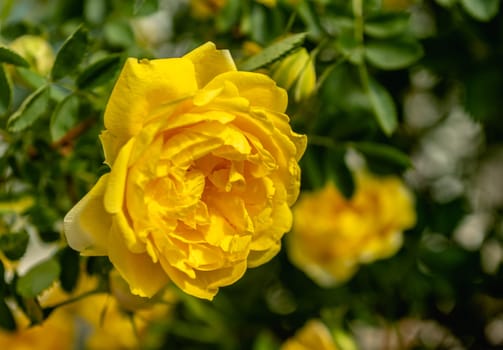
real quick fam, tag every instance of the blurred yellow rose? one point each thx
(36, 50)
(331, 235)
(313, 335)
(55, 333)
(105, 321)
(296, 72)
(206, 8)
(203, 173)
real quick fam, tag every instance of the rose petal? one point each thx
(142, 86)
(258, 89)
(87, 224)
(145, 278)
(114, 193)
(210, 62)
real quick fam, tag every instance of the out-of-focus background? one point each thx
(397, 237)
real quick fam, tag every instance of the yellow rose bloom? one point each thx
(204, 169)
(331, 235)
(313, 335)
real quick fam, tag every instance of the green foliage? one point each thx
(38, 278)
(395, 53)
(99, 72)
(5, 91)
(9, 56)
(374, 60)
(273, 52)
(34, 107)
(13, 245)
(71, 54)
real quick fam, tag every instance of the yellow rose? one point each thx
(313, 335)
(204, 169)
(331, 235)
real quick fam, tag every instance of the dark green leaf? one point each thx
(3, 284)
(383, 106)
(338, 172)
(30, 110)
(118, 33)
(392, 54)
(145, 7)
(383, 153)
(306, 11)
(13, 245)
(38, 278)
(273, 52)
(482, 10)
(70, 54)
(7, 321)
(229, 15)
(387, 24)
(5, 91)
(99, 73)
(95, 11)
(9, 56)
(65, 116)
(266, 341)
(70, 268)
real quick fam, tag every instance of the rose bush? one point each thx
(204, 169)
(332, 235)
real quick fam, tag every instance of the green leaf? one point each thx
(9, 56)
(70, 268)
(387, 24)
(482, 10)
(3, 284)
(383, 153)
(70, 54)
(273, 52)
(338, 172)
(65, 116)
(31, 78)
(383, 106)
(118, 33)
(99, 73)
(228, 15)
(32, 108)
(7, 321)
(266, 341)
(38, 278)
(145, 7)
(5, 91)
(394, 53)
(13, 245)
(95, 11)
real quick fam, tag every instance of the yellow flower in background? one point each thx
(55, 333)
(105, 321)
(331, 235)
(206, 8)
(296, 72)
(313, 335)
(36, 50)
(204, 169)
